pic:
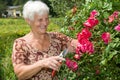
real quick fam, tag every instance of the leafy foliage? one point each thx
(62, 6)
(2, 6)
(104, 63)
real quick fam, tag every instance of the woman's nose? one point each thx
(45, 22)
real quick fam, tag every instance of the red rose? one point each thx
(71, 64)
(91, 22)
(93, 13)
(115, 14)
(85, 46)
(106, 37)
(117, 28)
(86, 33)
(111, 19)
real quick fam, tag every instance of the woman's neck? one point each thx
(37, 36)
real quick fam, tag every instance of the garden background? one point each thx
(68, 16)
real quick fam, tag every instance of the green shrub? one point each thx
(60, 7)
(105, 59)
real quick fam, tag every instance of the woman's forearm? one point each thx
(27, 71)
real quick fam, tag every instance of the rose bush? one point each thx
(97, 27)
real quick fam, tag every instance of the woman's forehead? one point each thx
(41, 15)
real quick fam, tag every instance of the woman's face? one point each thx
(40, 23)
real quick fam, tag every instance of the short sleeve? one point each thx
(18, 55)
(65, 40)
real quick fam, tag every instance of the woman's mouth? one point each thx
(43, 27)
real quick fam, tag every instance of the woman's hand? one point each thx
(53, 62)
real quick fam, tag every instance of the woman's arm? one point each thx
(27, 71)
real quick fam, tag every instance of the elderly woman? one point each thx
(36, 54)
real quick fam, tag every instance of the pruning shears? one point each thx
(62, 54)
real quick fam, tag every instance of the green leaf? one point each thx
(103, 62)
(107, 6)
(107, 50)
(112, 54)
(117, 40)
(106, 15)
(110, 6)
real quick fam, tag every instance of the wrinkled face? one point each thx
(40, 23)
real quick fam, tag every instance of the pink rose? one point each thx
(91, 22)
(115, 14)
(90, 48)
(77, 56)
(86, 33)
(117, 28)
(78, 50)
(111, 19)
(71, 64)
(85, 46)
(81, 36)
(106, 37)
(93, 13)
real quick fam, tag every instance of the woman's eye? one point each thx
(40, 20)
(46, 18)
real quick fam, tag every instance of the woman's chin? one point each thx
(43, 31)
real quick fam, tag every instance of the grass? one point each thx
(10, 29)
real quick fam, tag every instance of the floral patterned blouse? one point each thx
(25, 53)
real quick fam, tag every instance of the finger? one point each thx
(52, 66)
(57, 63)
(59, 58)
